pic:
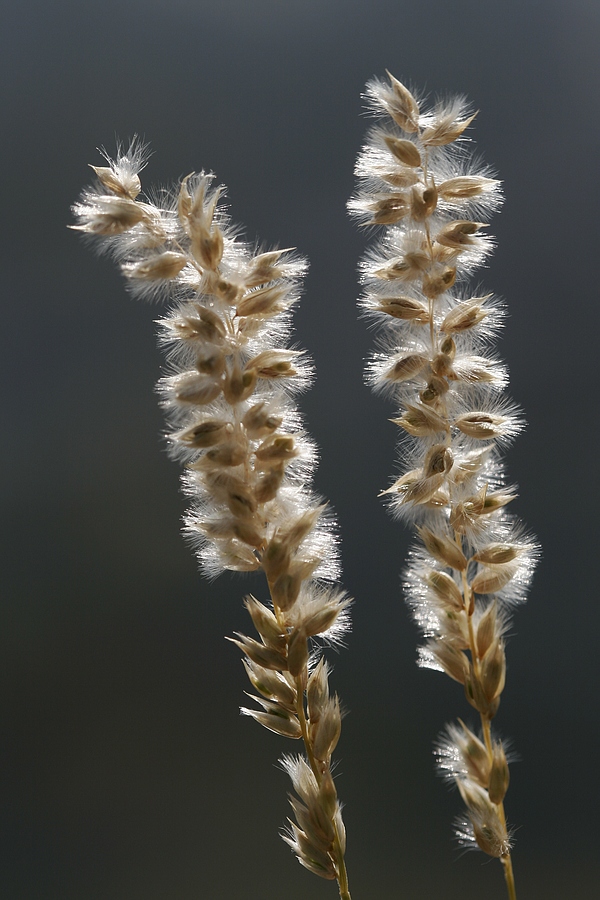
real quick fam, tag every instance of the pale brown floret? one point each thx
(443, 549)
(477, 370)
(465, 187)
(266, 624)
(453, 661)
(414, 488)
(458, 234)
(264, 267)
(493, 670)
(490, 580)
(404, 151)
(482, 425)
(265, 301)
(445, 130)
(274, 721)
(465, 315)
(489, 831)
(388, 209)
(275, 449)
(259, 421)
(445, 588)
(423, 201)
(271, 684)
(260, 654)
(274, 364)
(401, 105)
(317, 692)
(269, 483)
(110, 215)
(297, 652)
(329, 729)
(406, 367)
(499, 774)
(125, 184)
(487, 630)
(204, 325)
(421, 421)
(405, 268)
(405, 308)
(194, 389)
(204, 434)
(239, 384)
(437, 283)
(160, 267)
(474, 755)
(497, 553)
(465, 514)
(400, 178)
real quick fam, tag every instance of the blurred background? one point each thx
(126, 771)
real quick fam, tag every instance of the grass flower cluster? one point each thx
(472, 561)
(228, 396)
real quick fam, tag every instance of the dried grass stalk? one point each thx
(247, 460)
(472, 561)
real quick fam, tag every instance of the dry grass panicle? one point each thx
(472, 561)
(247, 460)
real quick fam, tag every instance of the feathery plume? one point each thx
(228, 397)
(472, 562)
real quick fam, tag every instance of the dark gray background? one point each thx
(126, 771)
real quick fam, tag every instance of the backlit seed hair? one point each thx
(471, 562)
(247, 461)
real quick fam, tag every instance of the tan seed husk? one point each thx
(487, 630)
(466, 315)
(161, 267)
(436, 284)
(496, 554)
(490, 580)
(269, 483)
(288, 727)
(445, 588)
(259, 654)
(499, 775)
(406, 367)
(465, 187)
(445, 131)
(261, 302)
(421, 421)
(198, 390)
(239, 385)
(475, 757)
(275, 449)
(403, 108)
(403, 150)
(297, 652)
(453, 661)
(443, 549)
(125, 186)
(204, 434)
(266, 624)
(481, 426)
(258, 421)
(285, 590)
(405, 308)
(423, 201)
(493, 670)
